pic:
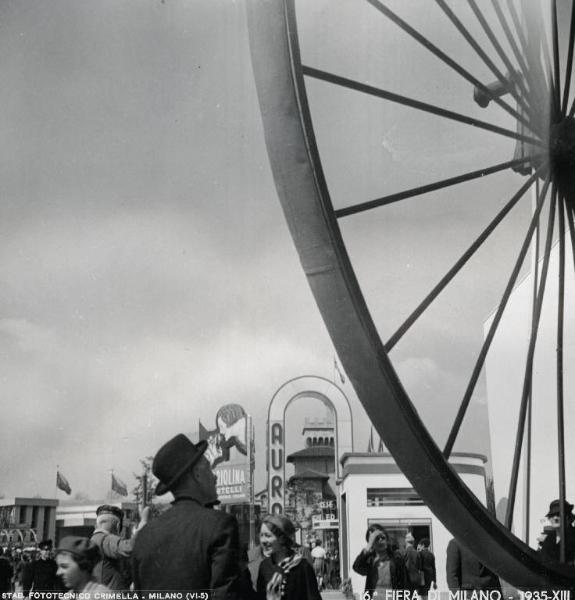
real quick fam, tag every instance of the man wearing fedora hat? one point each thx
(191, 546)
(550, 540)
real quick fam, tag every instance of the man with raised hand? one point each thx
(190, 547)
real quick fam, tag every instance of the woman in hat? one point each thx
(76, 557)
(284, 574)
(550, 541)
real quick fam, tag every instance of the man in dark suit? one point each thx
(427, 567)
(42, 574)
(549, 541)
(6, 572)
(191, 546)
(465, 572)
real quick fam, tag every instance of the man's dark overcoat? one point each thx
(187, 548)
(465, 572)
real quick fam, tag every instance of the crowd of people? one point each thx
(29, 569)
(193, 547)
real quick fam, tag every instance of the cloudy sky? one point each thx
(147, 273)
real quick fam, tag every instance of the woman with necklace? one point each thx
(284, 574)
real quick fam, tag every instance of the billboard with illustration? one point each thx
(230, 452)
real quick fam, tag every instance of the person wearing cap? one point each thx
(113, 570)
(76, 558)
(550, 541)
(41, 576)
(284, 574)
(190, 546)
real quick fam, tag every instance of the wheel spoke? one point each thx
(537, 98)
(569, 65)
(459, 264)
(448, 60)
(498, 48)
(518, 27)
(481, 53)
(570, 219)
(556, 69)
(430, 187)
(529, 433)
(535, 67)
(529, 367)
(560, 390)
(512, 42)
(423, 106)
(495, 324)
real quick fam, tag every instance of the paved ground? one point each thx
(332, 595)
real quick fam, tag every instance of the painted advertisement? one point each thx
(230, 452)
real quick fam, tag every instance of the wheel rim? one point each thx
(312, 220)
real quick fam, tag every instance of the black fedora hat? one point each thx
(175, 458)
(555, 508)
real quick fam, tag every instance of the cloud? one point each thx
(436, 393)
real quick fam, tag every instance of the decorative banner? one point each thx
(229, 452)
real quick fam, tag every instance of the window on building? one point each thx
(398, 528)
(48, 516)
(393, 497)
(35, 511)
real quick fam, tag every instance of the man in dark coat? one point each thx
(427, 567)
(42, 574)
(6, 572)
(465, 572)
(191, 546)
(411, 559)
(549, 541)
(113, 568)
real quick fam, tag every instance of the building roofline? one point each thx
(26, 501)
(454, 455)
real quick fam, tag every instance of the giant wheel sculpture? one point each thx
(530, 58)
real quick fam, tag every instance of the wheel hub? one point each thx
(562, 157)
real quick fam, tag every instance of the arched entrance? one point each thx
(308, 386)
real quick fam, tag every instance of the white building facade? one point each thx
(373, 490)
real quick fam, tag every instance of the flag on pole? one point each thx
(62, 483)
(370, 444)
(119, 486)
(338, 370)
(381, 447)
